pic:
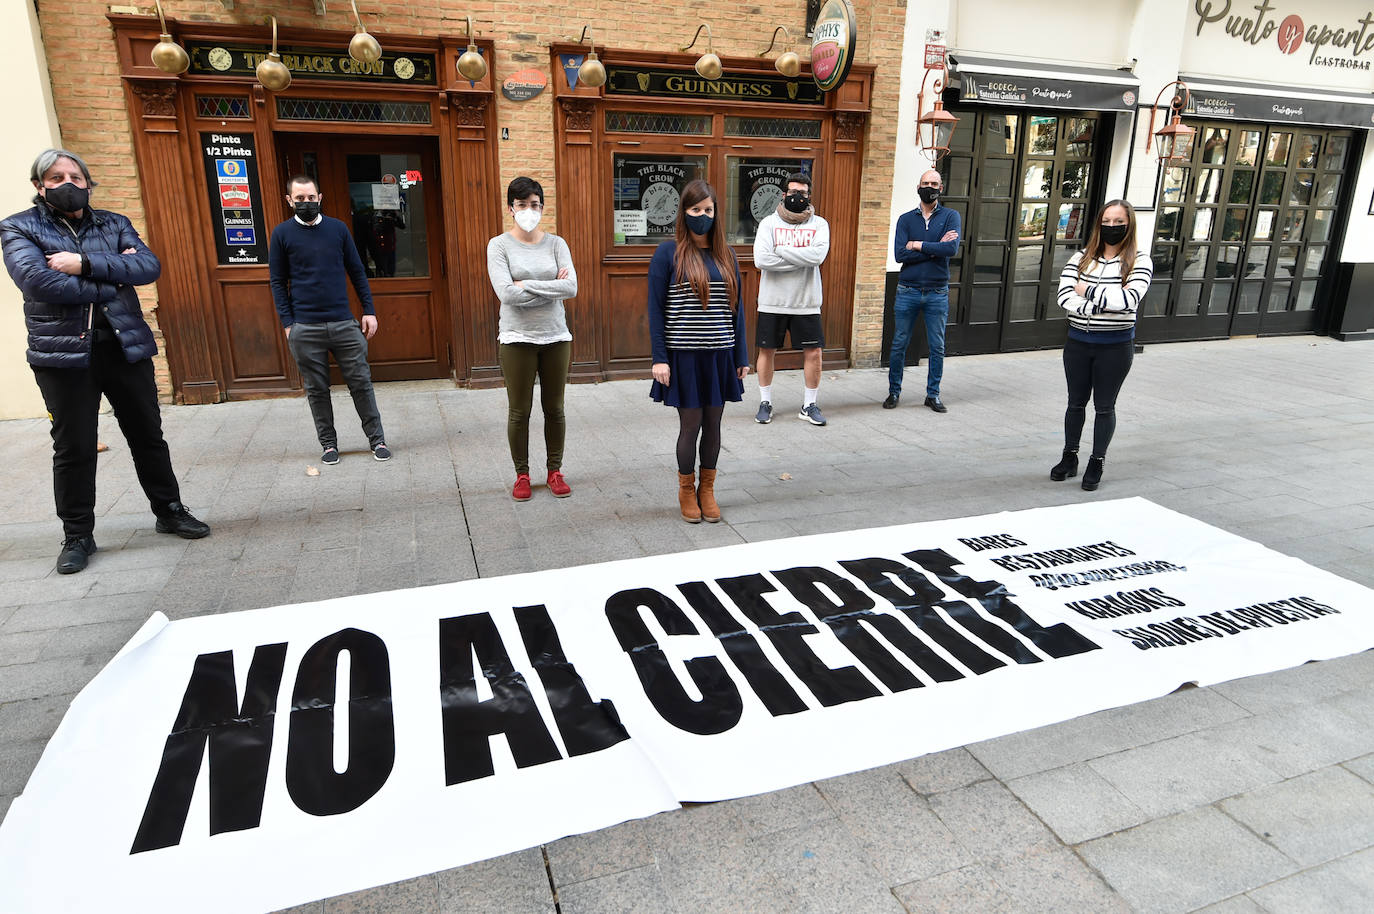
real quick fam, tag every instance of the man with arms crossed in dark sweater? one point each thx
(926, 238)
(309, 256)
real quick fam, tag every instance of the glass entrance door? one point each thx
(1243, 232)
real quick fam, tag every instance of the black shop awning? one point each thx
(1001, 81)
(1273, 104)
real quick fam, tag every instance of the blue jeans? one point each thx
(912, 303)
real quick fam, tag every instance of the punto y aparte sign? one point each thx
(1330, 45)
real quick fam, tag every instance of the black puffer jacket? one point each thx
(59, 309)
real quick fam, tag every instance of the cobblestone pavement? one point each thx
(1254, 795)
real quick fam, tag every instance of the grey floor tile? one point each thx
(1076, 802)
(1238, 904)
(967, 889)
(821, 869)
(941, 771)
(781, 809)
(1298, 740)
(1363, 766)
(512, 884)
(610, 850)
(1184, 862)
(1313, 818)
(622, 892)
(1177, 774)
(990, 822)
(1344, 886)
(32, 719)
(1054, 879)
(411, 895)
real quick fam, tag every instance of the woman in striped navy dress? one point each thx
(696, 326)
(1100, 290)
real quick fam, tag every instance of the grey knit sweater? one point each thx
(531, 312)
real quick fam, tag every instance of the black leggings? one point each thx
(703, 423)
(1097, 370)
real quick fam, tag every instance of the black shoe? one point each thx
(1093, 474)
(330, 455)
(891, 401)
(1066, 468)
(180, 521)
(76, 552)
(935, 404)
(380, 451)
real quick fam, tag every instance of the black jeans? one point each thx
(1097, 370)
(72, 396)
(311, 346)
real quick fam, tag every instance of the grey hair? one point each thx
(48, 158)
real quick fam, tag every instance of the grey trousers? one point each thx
(311, 346)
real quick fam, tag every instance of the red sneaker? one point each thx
(558, 485)
(521, 492)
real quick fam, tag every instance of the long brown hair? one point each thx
(689, 262)
(1095, 248)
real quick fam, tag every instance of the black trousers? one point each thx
(1094, 370)
(72, 396)
(311, 345)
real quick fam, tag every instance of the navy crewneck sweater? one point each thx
(308, 264)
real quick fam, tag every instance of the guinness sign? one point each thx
(686, 84)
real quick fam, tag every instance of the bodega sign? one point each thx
(833, 44)
(260, 760)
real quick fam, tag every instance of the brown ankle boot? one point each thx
(687, 498)
(706, 496)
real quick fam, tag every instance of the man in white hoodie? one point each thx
(789, 249)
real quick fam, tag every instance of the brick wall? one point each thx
(90, 98)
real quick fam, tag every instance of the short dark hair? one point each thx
(302, 179)
(521, 188)
(799, 177)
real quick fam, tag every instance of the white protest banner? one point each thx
(257, 760)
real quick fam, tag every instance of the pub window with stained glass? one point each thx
(646, 191)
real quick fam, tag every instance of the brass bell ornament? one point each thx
(363, 48)
(471, 66)
(708, 65)
(168, 56)
(272, 73)
(592, 73)
(788, 63)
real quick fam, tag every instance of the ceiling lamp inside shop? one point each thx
(363, 48)
(592, 73)
(272, 73)
(1173, 141)
(168, 56)
(708, 64)
(471, 66)
(788, 63)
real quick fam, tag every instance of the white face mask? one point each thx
(527, 219)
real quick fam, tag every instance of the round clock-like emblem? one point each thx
(764, 201)
(660, 202)
(404, 67)
(220, 59)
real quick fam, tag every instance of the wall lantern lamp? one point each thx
(272, 73)
(935, 128)
(363, 48)
(168, 56)
(1173, 141)
(592, 73)
(788, 63)
(471, 66)
(708, 64)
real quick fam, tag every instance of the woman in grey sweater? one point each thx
(532, 273)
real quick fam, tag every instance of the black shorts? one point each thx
(805, 330)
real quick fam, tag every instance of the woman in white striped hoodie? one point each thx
(1100, 290)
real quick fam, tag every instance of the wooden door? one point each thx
(387, 191)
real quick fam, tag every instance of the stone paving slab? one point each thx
(1249, 796)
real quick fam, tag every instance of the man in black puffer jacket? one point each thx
(77, 268)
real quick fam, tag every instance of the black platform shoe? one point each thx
(1093, 474)
(1066, 468)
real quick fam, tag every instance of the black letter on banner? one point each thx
(586, 726)
(768, 684)
(845, 621)
(720, 706)
(919, 606)
(315, 787)
(788, 632)
(1060, 640)
(469, 722)
(240, 742)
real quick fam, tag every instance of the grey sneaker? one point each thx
(812, 414)
(765, 413)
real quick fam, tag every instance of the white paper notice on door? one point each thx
(386, 196)
(631, 222)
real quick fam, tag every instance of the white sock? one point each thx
(766, 394)
(810, 396)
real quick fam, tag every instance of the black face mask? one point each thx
(67, 198)
(307, 210)
(1112, 235)
(928, 194)
(796, 203)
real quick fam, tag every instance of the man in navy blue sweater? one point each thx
(925, 240)
(309, 256)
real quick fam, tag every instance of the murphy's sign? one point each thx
(680, 84)
(209, 59)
